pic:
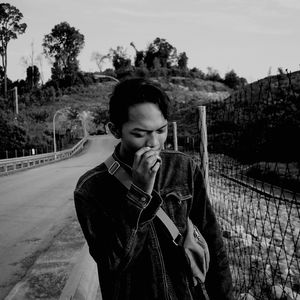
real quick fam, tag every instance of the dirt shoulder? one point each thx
(51, 269)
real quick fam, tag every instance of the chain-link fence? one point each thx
(254, 183)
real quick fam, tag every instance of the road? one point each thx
(36, 204)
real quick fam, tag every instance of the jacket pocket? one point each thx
(176, 204)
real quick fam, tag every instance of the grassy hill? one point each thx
(33, 126)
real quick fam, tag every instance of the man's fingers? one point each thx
(145, 155)
(142, 150)
(139, 153)
(156, 161)
(156, 166)
(149, 154)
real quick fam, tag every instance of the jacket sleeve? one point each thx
(116, 237)
(218, 281)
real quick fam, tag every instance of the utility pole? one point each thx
(16, 99)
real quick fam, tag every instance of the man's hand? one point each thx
(145, 166)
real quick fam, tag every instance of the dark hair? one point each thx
(134, 91)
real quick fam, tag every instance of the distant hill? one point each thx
(183, 92)
(260, 122)
(33, 127)
(271, 86)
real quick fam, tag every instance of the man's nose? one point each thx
(152, 141)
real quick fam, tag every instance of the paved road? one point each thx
(36, 204)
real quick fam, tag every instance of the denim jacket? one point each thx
(135, 256)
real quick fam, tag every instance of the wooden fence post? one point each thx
(203, 143)
(175, 143)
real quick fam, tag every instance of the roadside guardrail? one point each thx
(11, 165)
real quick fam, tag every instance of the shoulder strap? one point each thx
(115, 169)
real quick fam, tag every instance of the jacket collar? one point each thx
(116, 156)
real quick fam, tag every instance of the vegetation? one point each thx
(99, 58)
(63, 46)
(260, 122)
(10, 27)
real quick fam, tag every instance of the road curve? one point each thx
(35, 204)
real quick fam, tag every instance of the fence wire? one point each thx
(254, 183)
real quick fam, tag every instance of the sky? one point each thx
(251, 37)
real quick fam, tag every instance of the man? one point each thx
(135, 256)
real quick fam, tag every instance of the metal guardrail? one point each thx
(11, 165)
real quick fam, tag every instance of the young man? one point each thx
(135, 256)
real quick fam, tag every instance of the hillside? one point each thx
(259, 126)
(33, 127)
(262, 120)
(180, 89)
(270, 100)
(95, 98)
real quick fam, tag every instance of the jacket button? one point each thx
(143, 199)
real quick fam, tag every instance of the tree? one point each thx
(165, 52)
(213, 75)
(100, 119)
(280, 71)
(182, 61)
(99, 58)
(233, 81)
(197, 73)
(33, 76)
(119, 58)
(31, 61)
(10, 27)
(62, 46)
(139, 57)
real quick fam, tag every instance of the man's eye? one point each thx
(160, 131)
(138, 135)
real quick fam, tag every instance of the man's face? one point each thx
(146, 127)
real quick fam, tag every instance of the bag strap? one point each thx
(115, 169)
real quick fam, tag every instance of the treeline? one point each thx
(63, 45)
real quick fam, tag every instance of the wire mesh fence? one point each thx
(254, 183)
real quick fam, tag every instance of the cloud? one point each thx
(153, 15)
(290, 4)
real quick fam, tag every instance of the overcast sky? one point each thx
(252, 37)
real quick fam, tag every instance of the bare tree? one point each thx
(28, 62)
(99, 58)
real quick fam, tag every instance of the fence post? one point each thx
(203, 143)
(175, 143)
